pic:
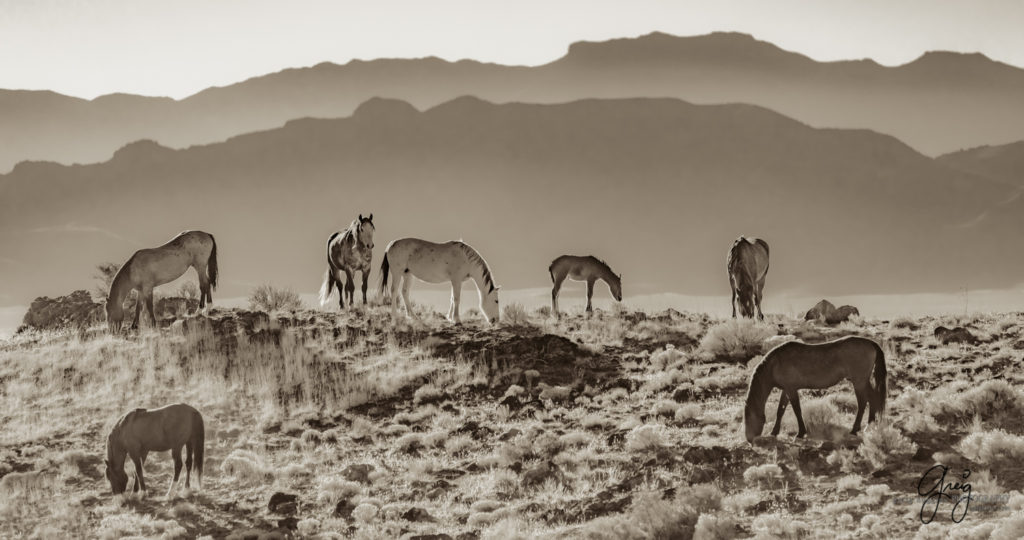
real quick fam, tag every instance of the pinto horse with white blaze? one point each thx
(348, 251)
(452, 262)
(150, 268)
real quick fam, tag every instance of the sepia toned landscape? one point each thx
(532, 270)
(622, 425)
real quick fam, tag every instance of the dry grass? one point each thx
(366, 422)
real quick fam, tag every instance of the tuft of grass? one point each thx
(515, 314)
(992, 447)
(269, 299)
(736, 339)
(883, 444)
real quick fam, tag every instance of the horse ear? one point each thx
(370, 218)
(360, 217)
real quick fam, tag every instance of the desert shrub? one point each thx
(778, 526)
(246, 467)
(883, 444)
(905, 323)
(667, 357)
(822, 419)
(664, 407)
(768, 474)
(365, 512)
(269, 299)
(715, 527)
(515, 314)
(427, 393)
(648, 517)
(645, 438)
(687, 411)
(992, 447)
(736, 339)
(459, 444)
(728, 378)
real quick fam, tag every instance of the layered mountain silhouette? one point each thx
(658, 187)
(1004, 163)
(940, 102)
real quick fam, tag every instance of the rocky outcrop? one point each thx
(955, 335)
(76, 310)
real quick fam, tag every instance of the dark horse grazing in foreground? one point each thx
(794, 365)
(150, 268)
(577, 268)
(350, 251)
(159, 430)
(747, 264)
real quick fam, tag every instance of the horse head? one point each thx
(753, 422)
(117, 478)
(489, 304)
(616, 287)
(364, 231)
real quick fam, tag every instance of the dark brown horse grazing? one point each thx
(150, 268)
(159, 430)
(577, 268)
(747, 264)
(794, 365)
(350, 251)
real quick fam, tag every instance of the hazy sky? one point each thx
(92, 47)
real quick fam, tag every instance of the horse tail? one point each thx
(879, 377)
(385, 267)
(211, 264)
(330, 281)
(198, 441)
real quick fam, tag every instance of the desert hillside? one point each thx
(940, 102)
(658, 187)
(623, 425)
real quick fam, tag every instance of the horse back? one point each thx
(160, 429)
(801, 365)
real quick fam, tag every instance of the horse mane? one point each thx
(759, 387)
(478, 260)
(605, 267)
(120, 277)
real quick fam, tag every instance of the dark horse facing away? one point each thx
(348, 251)
(150, 268)
(578, 268)
(747, 265)
(794, 365)
(159, 430)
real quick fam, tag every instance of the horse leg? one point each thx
(873, 403)
(394, 296)
(139, 482)
(862, 401)
(590, 294)
(732, 285)
(188, 464)
(204, 287)
(406, 285)
(783, 401)
(794, 398)
(456, 299)
(350, 287)
(176, 456)
(341, 288)
(138, 311)
(149, 308)
(365, 272)
(759, 294)
(554, 295)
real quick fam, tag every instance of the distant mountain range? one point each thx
(657, 187)
(941, 102)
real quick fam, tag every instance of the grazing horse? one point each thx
(150, 268)
(794, 365)
(589, 269)
(159, 430)
(747, 265)
(453, 262)
(350, 251)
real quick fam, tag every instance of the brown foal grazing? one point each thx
(577, 268)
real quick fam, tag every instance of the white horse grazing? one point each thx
(454, 262)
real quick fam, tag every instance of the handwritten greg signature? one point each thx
(939, 489)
